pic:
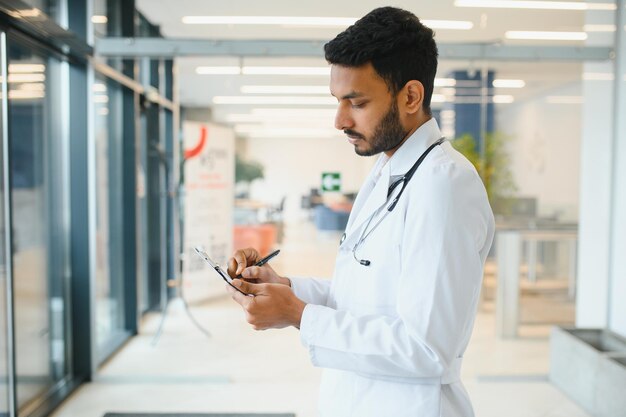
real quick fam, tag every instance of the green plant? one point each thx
(247, 171)
(494, 169)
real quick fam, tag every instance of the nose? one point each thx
(343, 120)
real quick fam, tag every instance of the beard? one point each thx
(387, 135)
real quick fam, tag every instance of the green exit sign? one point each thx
(331, 181)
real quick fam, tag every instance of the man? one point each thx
(391, 327)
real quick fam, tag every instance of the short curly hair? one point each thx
(397, 44)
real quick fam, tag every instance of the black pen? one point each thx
(264, 260)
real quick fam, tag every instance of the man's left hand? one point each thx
(273, 306)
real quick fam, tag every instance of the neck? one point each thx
(411, 129)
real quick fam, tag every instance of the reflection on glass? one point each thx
(39, 204)
(99, 18)
(520, 125)
(109, 275)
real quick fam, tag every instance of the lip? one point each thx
(353, 139)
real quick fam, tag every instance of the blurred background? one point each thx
(135, 130)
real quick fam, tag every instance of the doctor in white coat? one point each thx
(391, 327)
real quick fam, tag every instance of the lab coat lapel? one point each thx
(370, 197)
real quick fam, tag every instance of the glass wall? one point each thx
(520, 123)
(4, 328)
(40, 209)
(109, 291)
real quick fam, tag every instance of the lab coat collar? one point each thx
(371, 199)
(406, 155)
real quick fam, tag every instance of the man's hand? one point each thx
(242, 263)
(273, 306)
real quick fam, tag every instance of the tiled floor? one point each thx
(240, 370)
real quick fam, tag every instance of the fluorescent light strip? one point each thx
(445, 82)
(26, 68)
(99, 19)
(288, 112)
(292, 100)
(269, 20)
(544, 35)
(564, 99)
(286, 70)
(31, 87)
(26, 78)
(99, 88)
(599, 28)
(598, 76)
(540, 5)
(501, 83)
(448, 24)
(309, 21)
(285, 89)
(218, 70)
(232, 70)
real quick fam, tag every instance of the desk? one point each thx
(509, 256)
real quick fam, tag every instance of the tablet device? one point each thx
(199, 250)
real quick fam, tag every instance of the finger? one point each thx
(240, 298)
(265, 273)
(245, 257)
(247, 287)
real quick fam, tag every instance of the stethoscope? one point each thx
(404, 180)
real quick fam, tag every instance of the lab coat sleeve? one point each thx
(311, 290)
(448, 230)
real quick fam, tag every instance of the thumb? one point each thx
(246, 287)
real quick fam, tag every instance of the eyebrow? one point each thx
(351, 95)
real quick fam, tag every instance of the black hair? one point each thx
(397, 44)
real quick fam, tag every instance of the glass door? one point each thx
(40, 221)
(6, 371)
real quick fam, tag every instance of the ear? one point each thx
(413, 96)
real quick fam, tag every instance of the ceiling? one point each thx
(489, 25)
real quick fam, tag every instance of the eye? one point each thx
(358, 105)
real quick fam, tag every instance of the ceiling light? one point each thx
(542, 5)
(25, 94)
(547, 36)
(22, 13)
(218, 70)
(31, 87)
(293, 112)
(503, 99)
(286, 70)
(232, 70)
(285, 89)
(599, 28)
(509, 83)
(260, 131)
(309, 21)
(269, 20)
(99, 19)
(448, 24)
(26, 68)
(289, 100)
(26, 78)
(564, 99)
(598, 76)
(99, 88)
(445, 82)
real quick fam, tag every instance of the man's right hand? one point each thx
(242, 263)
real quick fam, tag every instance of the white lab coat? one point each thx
(391, 336)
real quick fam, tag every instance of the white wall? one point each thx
(602, 234)
(545, 150)
(293, 166)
